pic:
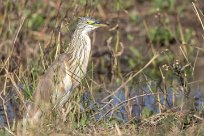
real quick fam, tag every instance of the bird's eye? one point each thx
(90, 22)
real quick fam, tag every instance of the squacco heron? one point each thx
(66, 72)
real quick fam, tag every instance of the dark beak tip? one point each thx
(101, 23)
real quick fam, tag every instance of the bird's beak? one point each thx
(99, 24)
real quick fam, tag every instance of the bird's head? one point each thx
(87, 24)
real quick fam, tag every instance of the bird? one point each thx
(65, 73)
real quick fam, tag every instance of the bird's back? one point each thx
(54, 87)
(51, 82)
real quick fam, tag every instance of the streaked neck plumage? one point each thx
(79, 51)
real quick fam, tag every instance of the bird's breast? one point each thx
(81, 48)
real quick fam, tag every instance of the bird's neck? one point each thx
(80, 42)
(80, 48)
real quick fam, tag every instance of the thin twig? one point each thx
(201, 49)
(198, 15)
(196, 116)
(14, 41)
(194, 82)
(123, 102)
(131, 77)
(194, 65)
(8, 130)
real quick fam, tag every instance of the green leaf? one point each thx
(35, 21)
(146, 112)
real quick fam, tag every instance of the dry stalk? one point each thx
(159, 104)
(132, 76)
(123, 102)
(194, 65)
(165, 92)
(14, 41)
(198, 15)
